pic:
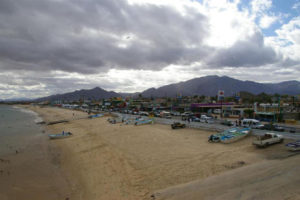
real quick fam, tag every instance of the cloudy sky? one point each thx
(56, 46)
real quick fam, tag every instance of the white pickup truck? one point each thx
(267, 139)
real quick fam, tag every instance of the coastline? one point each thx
(28, 170)
(116, 161)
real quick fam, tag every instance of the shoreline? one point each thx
(30, 171)
(116, 161)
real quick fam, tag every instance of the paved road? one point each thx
(216, 126)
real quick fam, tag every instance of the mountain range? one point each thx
(94, 94)
(208, 86)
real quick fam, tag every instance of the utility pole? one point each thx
(279, 109)
(221, 114)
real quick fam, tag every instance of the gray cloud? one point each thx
(246, 53)
(87, 37)
(92, 36)
(54, 35)
(39, 84)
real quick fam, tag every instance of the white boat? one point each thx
(60, 135)
(143, 121)
(293, 146)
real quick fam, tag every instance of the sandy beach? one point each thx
(116, 161)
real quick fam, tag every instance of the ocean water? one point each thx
(17, 128)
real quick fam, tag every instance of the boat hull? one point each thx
(293, 146)
(233, 135)
(59, 135)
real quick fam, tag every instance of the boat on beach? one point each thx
(293, 146)
(115, 120)
(230, 135)
(95, 116)
(60, 135)
(143, 121)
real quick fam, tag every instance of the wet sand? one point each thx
(31, 172)
(114, 161)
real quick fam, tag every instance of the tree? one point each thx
(249, 113)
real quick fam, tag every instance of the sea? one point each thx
(17, 129)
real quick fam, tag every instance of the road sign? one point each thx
(220, 95)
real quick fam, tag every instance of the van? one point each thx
(217, 111)
(253, 123)
(165, 114)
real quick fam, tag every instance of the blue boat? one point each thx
(293, 146)
(96, 116)
(230, 135)
(60, 135)
(143, 121)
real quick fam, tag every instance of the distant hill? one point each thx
(93, 94)
(16, 100)
(210, 85)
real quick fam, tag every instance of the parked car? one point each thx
(292, 130)
(185, 114)
(272, 127)
(206, 119)
(143, 113)
(176, 125)
(175, 113)
(135, 112)
(217, 111)
(165, 114)
(267, 139)
(156, 114)
(195, 119)
(227, 122)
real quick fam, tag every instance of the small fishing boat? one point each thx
(230, 135)
(293, 146)
(60, 135)
(235, 134)
(143, 121)
(95, 116)
(115, 120)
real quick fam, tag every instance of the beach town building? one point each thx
(226, 109)
(275, 112)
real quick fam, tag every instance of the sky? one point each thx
(57, 46)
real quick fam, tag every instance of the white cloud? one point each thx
(296, 5)
(266, 21)
(226, 24)
(260, 10)
(287, 40)
(260, 6)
